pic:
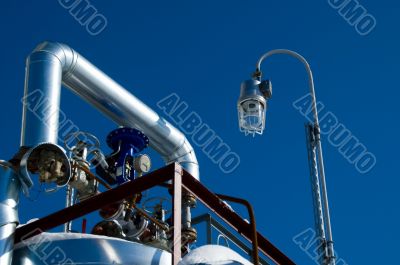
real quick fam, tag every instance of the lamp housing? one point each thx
(252, 105)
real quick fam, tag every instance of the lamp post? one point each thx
(252, 105)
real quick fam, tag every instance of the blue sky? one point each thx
(202, 51)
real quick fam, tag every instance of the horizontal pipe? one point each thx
(53, 64)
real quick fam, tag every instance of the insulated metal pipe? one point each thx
(53, 64)
(10, 188)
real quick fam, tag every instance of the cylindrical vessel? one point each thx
(9, 197)
(214, 254)
(71, 248)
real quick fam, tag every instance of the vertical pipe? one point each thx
(7, 243)
(41, 101)
(186, 216)
(329, 242)
(316, 192)
(70, 196)
(10, 187)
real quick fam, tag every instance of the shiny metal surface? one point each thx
(249, 89)
(316, 192)
(9, 198)
(251, 106)
(213, 255)
(69, 200)
(6, 243)
(51, 64)
(33, 154)
(62, 248)
(70, 248)
(41, 101)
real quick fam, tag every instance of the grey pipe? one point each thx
(53, 64)
(69, 201)
(10, 188)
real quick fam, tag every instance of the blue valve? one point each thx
(125, 142)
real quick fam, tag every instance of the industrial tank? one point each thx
(75, 248)
(215, 255)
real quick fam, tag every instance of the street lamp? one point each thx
(252, 106)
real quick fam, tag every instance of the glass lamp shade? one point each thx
(251, 117)
(251, 108)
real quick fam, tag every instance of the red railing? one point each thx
(180, 180)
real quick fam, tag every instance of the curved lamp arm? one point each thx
(257, 75)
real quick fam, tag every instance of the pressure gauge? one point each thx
(142, 163)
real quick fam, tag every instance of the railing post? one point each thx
(177, 205)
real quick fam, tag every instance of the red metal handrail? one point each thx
(180, 179)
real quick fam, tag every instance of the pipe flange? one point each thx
(188, 199)
(130, 136)
(190, 234)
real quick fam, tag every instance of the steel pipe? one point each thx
(10, 188)
(52, 64)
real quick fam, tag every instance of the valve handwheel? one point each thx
(150, 205)
(89, 140)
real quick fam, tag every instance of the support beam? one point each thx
(177, 214)
(180, 179)
(94, 203)
(233, 219)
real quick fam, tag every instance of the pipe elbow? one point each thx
(186, 157)
(54, 51)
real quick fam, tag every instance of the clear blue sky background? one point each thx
(202, 50)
